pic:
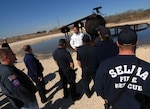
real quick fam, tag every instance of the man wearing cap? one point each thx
(107, 48)
(5, 43)
(86, 62)
(114, 73)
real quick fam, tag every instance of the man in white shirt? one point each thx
(76, 39)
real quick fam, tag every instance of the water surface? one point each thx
(46, 48)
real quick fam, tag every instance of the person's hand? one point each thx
(40, 78)
(106, 101)
(76, 49)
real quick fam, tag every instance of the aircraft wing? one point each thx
(66, 28)
(77, 21)
(137, 26)
(115, 28)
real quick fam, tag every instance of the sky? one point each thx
(19, 17)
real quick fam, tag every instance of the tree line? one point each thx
(130, 15)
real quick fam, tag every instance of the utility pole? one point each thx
(58, 22)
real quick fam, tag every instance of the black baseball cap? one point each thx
(104, 31)
(86, 38)
(127, 37)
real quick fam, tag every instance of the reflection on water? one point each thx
(46, 48)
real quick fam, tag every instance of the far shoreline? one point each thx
(17, 46)
(57, 31)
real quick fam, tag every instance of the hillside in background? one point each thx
(130, 15)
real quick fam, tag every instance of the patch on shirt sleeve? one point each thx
(16, 83)
(13, 79)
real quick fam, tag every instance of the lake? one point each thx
(46, 48)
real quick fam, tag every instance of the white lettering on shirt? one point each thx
(120, 70)
(124, 73)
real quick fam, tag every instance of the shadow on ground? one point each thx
(60, 103)
(4, 103)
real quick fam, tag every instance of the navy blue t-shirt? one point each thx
(112, 75)
(85, 55)
(32, 65)
(63, 57)
(105, 50)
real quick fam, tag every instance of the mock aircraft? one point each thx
(90, 22)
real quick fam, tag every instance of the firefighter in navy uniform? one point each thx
(15, 84)
(85, 55)
(35, 71)
(66, 69)
(114, 73)
(106, 47)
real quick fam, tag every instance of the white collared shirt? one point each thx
(76, 40)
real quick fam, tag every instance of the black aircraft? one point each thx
(90, 22)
